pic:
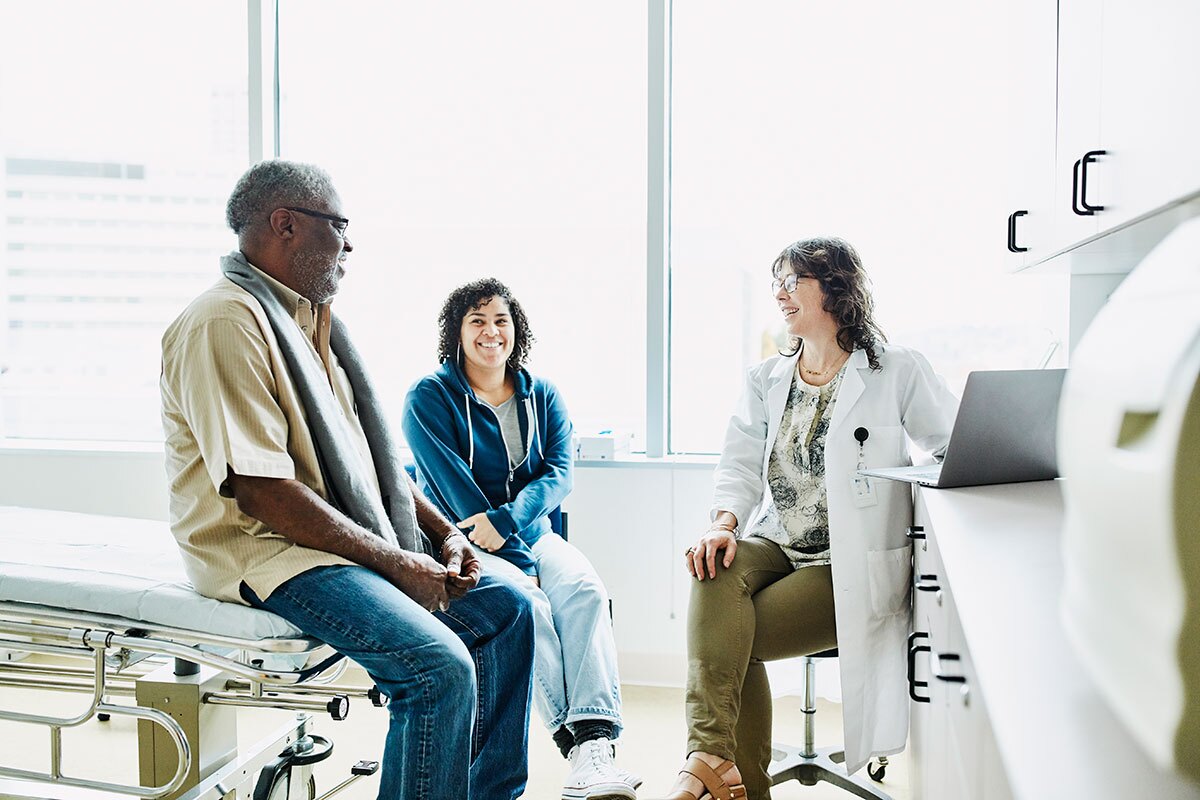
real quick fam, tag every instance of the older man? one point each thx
(286, 494)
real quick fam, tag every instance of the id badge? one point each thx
(862, 491)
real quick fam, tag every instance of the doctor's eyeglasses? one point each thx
(788, 282)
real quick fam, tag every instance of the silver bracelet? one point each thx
(450, 536)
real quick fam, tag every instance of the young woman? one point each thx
(802, 554)
(493, 450)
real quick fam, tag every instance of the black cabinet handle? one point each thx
(1088, 158)
(913, 649)
(935, 668)
(1012, 232)
(925, 583)
(915, 532)
(1079, 203)
(1075, 191)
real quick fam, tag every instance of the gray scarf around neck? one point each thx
(392, 516)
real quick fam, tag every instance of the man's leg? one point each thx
(414, 658)
(495, 621)
(549, 683)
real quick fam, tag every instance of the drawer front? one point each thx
(954, 752)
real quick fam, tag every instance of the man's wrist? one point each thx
(448, 536)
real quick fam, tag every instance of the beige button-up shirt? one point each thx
(229, 404)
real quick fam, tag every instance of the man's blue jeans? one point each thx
(459, 680)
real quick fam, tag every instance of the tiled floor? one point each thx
(652, 745)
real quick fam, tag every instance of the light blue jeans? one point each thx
(575, 656)
(458, 680)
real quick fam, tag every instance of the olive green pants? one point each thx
(759, 609)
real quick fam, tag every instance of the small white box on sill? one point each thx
(603, 446)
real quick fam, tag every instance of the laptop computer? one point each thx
(1005, 432)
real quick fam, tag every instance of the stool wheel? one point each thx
(876, 774)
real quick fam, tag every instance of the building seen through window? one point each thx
(111, 202)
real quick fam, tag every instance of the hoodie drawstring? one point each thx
(531, 434)
(470, 431)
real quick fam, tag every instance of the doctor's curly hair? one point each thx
(836, 265)
(467, 298)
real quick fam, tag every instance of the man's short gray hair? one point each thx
(273, 184)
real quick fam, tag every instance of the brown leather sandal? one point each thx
(714, 786)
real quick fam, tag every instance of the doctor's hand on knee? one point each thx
(701, 558)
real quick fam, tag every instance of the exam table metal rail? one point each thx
(161, 665)
(104, 606)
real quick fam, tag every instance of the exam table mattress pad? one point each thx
(118, 566)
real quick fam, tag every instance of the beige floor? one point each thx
(652, 745)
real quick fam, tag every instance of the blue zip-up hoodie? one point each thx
(463, 464)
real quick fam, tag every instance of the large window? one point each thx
(799, 119)
(506, 140)
(122, 129)
(491, 139)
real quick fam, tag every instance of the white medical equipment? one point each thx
(1129, 448)
(112, 591)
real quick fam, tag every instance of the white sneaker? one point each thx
(632, 779)
(594, 776)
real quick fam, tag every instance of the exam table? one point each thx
(109, 595)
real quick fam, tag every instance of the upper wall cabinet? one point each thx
(1149, 107)
(1079, 101)
(1032, 89)
(1125, 125)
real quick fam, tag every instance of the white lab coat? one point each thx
(870, 553)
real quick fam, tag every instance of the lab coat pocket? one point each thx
(888, 572)
(884, 447)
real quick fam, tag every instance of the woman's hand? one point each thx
(482, 532)
(703, 556)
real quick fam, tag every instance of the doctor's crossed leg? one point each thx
(800, 556)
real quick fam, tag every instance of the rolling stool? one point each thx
(808, 764)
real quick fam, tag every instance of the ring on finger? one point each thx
(687, 553)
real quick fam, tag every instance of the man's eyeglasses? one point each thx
(341, 223)
(787, 282)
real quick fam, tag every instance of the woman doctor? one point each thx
(794, 526)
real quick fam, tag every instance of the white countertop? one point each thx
(1002, 558)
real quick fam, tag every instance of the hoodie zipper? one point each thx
(512, 469)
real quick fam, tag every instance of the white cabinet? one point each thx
(927, 736)
(1031, 103)
(1078, 119)
(1149, 106)
(954, 756)
(1121, 117)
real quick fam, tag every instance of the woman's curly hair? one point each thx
(836, 265)
(467, 298)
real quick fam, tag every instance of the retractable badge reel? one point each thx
(862, 488)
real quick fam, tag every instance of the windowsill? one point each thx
(90, 448)
(73, 446)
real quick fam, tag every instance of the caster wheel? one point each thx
(876, 773)
(102, 717)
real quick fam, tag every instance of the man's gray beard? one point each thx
(316, 276)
